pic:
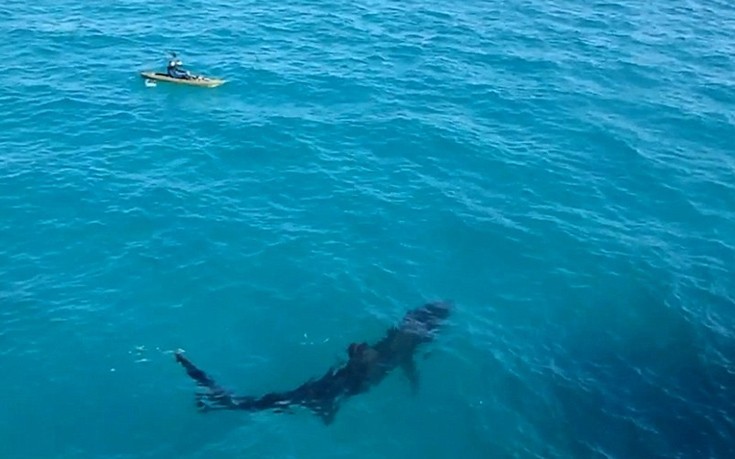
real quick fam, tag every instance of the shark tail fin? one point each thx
(214, 396)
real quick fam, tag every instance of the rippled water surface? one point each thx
(563, 170)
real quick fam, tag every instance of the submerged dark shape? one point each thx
(367, 365)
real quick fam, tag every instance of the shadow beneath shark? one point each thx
(367, 365)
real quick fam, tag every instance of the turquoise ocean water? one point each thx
(563, 170)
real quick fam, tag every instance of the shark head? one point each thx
(427, 319)
(439, 310)
(433, 314)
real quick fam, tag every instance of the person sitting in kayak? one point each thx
(175, 69)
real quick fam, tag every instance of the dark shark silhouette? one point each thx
(367, 366)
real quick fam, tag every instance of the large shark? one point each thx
(367, 365)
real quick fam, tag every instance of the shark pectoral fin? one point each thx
(326, 410)
(409, 369)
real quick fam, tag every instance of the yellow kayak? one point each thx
(194, 81)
